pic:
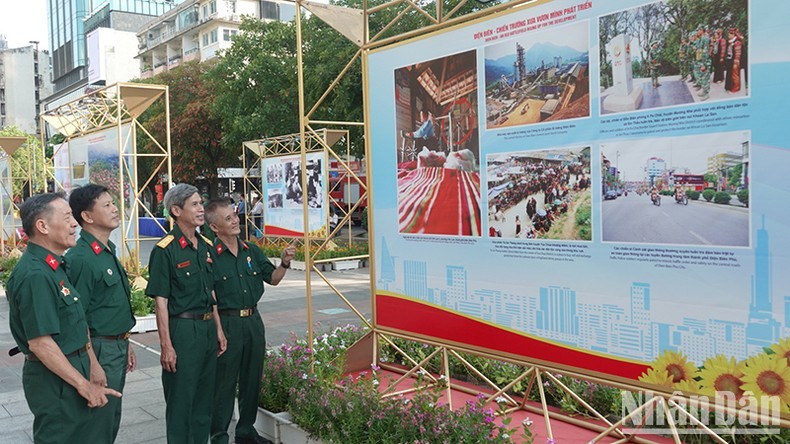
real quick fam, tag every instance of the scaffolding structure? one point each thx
(11, 233)
(115, 107)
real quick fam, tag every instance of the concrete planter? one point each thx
(345, 265)
(298, 265)
(144, 324)
(279, 428)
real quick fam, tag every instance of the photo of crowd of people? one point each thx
(437, 147)
(293, 184)
(274, 173)
(542, 194)
(672, 53)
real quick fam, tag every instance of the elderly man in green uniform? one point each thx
(190, 333)
(240, 270)
(48, 325)
(104, 289)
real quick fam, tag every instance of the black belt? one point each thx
(195, 315)
(243, 313)
(120, 337)
(31, 357)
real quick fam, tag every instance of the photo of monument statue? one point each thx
(538, 77)
(673, 52)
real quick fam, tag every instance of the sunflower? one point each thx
(782, 348)
(765, 375)
(676, 364)
(657, 377)
(722, 374)
(687, 386)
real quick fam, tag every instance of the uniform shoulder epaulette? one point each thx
(165, 241)
(208, 241)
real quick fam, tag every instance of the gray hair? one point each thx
(35, 208)
(213, 205)
(178, 196)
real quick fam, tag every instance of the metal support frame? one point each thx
(9, 232)
(368, 349)
(113, 107)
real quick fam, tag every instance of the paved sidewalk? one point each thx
(284, 313)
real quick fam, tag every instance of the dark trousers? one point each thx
(113, 356)
(60, 414)
(242, 365)
(189, 391)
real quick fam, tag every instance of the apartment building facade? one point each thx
(24, 80)
(69, 24)
(197, 30)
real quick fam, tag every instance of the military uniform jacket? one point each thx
(103, 286)
(238, 280)
(182, 273)
(43, 302)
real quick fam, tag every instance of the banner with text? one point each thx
(596, 185)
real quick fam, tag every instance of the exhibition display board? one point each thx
(284, 192)
(593, 186)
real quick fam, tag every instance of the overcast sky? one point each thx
(23, 21)
(690, 152)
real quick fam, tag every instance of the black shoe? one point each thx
(257, 440)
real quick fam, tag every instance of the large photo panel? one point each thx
(284, 195)
(574, 264)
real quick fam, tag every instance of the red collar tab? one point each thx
(183, 242)
(244, 245)
(96, 247)
(52, 262)
(220, 248)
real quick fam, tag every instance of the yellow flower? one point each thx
(722, 374)
(765, 375)
(657, 377)
(687, 386)
(782, 348)
(676, 364)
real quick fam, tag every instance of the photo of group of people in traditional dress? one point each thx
(437, 146)
(540, 77)
(544, 194)
(690, 190)
(673, 52)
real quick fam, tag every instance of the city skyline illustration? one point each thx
(626, 330)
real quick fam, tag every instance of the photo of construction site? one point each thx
(437, 146)
(539, 77)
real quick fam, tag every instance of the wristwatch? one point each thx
(284, 265)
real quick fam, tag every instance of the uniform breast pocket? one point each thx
(70, 309)
(111, 278)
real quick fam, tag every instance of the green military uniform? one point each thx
(43, 302)
(683, 60)
(238, 283)
(103, 285)
(182, 273)
(702, 47)
(653, 64)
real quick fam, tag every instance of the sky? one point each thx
(685, 152)
(23, 21)
(575, 35)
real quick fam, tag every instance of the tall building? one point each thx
(654, 169)
(24, 80)
(70, 22)
(198, 29)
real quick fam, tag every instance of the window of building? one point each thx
(205, 39)
(205, 11)
(213, 38)
(270, 10)
(228, 33)
(212, 6)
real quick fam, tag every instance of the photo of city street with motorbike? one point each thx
(691, 190)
